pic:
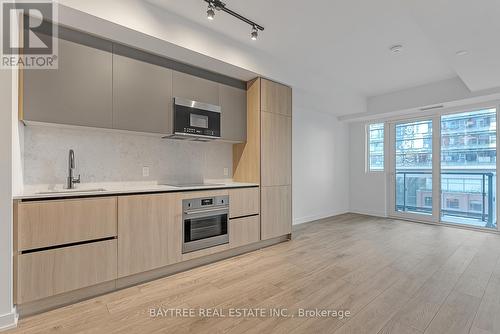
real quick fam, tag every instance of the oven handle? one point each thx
(217, 209)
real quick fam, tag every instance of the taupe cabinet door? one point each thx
(77, 93)
(142, 96)
(233, 103)
(194, 88)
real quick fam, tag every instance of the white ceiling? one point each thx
(455, 25)
(348, 40)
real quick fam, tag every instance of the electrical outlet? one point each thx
(145, 171)
(226, 171)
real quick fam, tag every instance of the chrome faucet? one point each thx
(70, 184)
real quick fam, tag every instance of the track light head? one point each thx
(210, 11)
(254, 34)
(218, 5)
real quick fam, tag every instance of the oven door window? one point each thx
(198, 121)
(206, 227)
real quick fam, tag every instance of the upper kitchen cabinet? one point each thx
(79, 92)
(195, 88)
(142, 96)
(233, 102)
(276, 98)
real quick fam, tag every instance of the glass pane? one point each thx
(376, 147)
(414, 167)
(468, 168)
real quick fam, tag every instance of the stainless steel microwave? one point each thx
(197, 120)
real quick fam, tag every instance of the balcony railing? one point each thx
(464, 194)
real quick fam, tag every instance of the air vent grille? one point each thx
(432, 108)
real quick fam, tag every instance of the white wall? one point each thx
(320, 165)
(367, 190)
(7, 316)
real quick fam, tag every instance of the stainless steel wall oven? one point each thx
(205, 222)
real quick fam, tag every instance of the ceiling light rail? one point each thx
(219, 5)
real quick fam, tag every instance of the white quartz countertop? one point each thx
(117, 188)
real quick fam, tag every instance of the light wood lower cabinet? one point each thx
(149, 232)
(244, 231)
(276, 212)
(57, 222)
(146, 231)
(48, 273)
(243, 202)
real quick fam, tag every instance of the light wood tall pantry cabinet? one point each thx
(266, 157)
(276, 159)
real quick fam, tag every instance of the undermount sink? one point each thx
(66, 191)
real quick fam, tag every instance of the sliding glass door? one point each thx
(412, 163)
(443, 168)
(468, 168)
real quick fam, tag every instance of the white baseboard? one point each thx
(369, 213)
(8, 320)
(307, 219)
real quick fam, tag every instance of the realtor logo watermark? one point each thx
(29, 39)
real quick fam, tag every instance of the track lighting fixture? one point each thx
(219, 5)
(210, 11)
(254, 34)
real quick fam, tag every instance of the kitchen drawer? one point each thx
(244, 231)
(243, 202)
(49, 223)
(48, 273)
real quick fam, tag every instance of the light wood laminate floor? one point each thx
(393, 276)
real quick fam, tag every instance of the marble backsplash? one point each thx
(117, 156)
